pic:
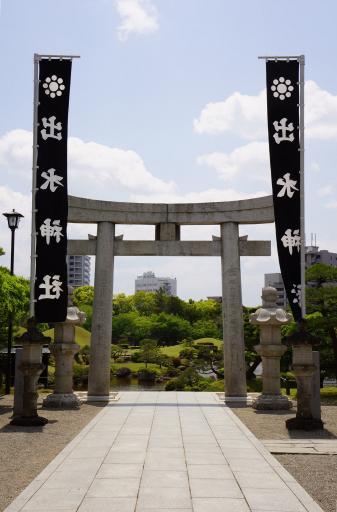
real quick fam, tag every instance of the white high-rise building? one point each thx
(149, 282)
(78, 270)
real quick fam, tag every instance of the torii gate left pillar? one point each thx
(232, 315)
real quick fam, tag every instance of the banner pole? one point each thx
(34, 169)
(302, 184)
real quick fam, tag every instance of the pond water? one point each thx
(132, 384)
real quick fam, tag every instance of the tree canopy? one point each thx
(321, 301)
(14, 293)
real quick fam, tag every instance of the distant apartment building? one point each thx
(313, 255)
(149, 282)
(78, 270)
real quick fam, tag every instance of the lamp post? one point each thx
(13, 219)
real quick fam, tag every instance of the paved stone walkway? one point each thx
(312, 446)
(165, 451)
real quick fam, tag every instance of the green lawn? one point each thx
(82, 336)
(174, 350)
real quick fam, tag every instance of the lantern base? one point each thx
(29, 421)
(304, 424)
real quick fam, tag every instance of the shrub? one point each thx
(174, 385)
(145, 375)
(171, 372)
(124, 371)
(188, 378)
(188, 353)
(254, 385)
(176, 361)
(136, 357)
(83, 356)
(220, 373)
(80, 376)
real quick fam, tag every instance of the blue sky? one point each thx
(167, 105)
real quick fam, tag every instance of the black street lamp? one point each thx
(13, 219)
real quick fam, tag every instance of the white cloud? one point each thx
(246, 115)
(97, 162)
(204, 196)
(16, 150)
(241, 114)
(331, 205)
(10, 200)
(91, 166)
(328, 190)
(251, 162)
(137, 17)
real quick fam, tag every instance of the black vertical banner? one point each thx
(284, 150)
(52, 195)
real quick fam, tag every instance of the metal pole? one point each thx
(12, 250)
(302, 184)
(60, 57)
(10, 326)
(34, 169)
(281, 57)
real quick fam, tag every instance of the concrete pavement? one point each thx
(165, 451)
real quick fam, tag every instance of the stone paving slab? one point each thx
(302, 446)
(166, 451)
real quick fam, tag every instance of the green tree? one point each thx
(14, 293)
(144, 303)
(322, 299)
(251, 337)
(210, 358)
(188, 353)
(123, 304)
(205, 328)
(169, 329)
(117, 351)
(149, 351)
(84, 295)
(2, 252)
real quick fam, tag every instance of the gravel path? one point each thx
(25, 451)
(316, 473)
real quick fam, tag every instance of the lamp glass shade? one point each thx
(13, 219)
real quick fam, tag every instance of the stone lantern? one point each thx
(304, 368)
(31, 367)
(270, 318)
(63, 349)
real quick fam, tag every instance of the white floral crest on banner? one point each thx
(282, 88)
(296, 290)
(53, 86)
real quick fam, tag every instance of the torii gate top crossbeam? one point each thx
(258, 210)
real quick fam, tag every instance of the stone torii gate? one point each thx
(167, 219)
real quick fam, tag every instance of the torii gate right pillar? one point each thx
(233, 337)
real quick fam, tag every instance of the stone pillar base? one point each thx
(61, 401)
(29, 421)
(272, 402)
(304, 424)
